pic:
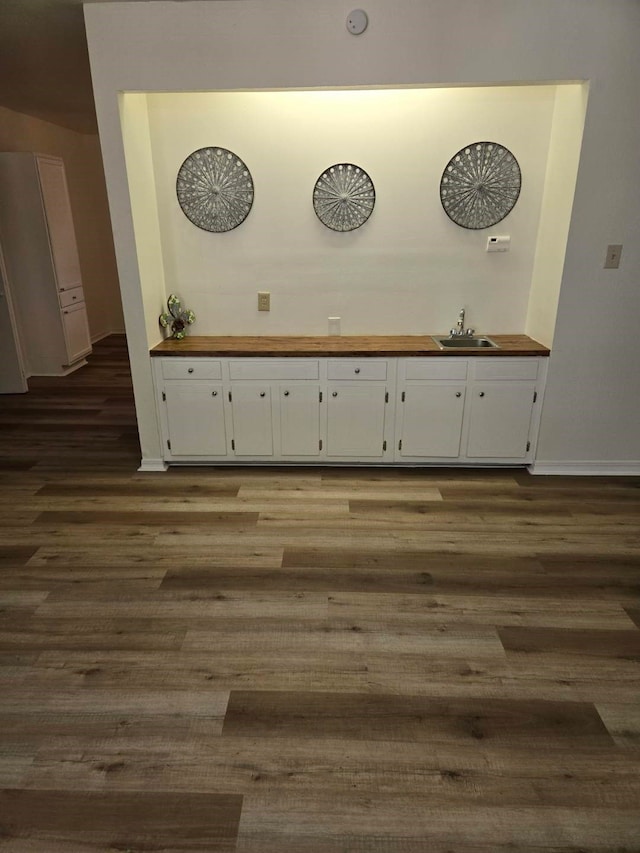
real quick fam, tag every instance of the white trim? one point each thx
(102, 335)
(153, 465)
(627, 468)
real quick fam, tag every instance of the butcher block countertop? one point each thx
(340, 345)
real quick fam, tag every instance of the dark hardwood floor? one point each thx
(306, 660)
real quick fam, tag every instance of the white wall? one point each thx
(409, 268)
(590, 415)
(85, 178)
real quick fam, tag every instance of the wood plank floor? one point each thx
(254, 660)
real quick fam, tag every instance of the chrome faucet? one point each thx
(460, 330)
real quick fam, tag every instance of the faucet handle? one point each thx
(470, 332)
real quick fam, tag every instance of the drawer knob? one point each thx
(262, 393)
(481, 394)
(286, 393)
(357, 370)
(458, 393)
(214, 393)
(335, 394)
(190, 370)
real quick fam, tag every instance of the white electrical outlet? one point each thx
(264, 300)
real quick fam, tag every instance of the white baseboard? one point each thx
(626, 468)
(153, 465)
(101, 335)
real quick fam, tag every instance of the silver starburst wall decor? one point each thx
(480, 185)
(177, 319)
(344, 197)
(214, 189)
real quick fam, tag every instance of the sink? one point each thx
(464, 342)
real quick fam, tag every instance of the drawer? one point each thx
(436, 368)
(348, 368)
(71, 297)
(191, 368)
(505, 368)
(265, 368)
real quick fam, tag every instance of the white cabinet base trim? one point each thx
(153, 465)
(628, 468)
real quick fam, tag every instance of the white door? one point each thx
(355, 420)
(432, 420)
(195, 419)
(62, 238)
(500, 417)
(252, 426)
(12, 374)
(300, 420)
(76, 332)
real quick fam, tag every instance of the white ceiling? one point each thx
(44, 64)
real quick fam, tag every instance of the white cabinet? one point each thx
(431, 398)
(431, 422)
(499, 420)
(502, 394)
(356, 420)
(76, 332)
(195, 422)
(357, 401)
(252, 424)
(446, 410)
(475, 410)
(43, 270)
(300, 420)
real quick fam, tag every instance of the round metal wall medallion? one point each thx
(480, 185)
(214, 189)
(343, 197)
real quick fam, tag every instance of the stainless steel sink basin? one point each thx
(464, 342)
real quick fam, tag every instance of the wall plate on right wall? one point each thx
(480, 185)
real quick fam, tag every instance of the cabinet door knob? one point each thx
(335, 394)
(458, 393)
(481, 394)
(357, 370)
(214, 393)
(286, 393)
(190, 370)
(262, 393)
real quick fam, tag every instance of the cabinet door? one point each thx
(355, 420)
(76, 332)
(252, 426)
(195, 419)
(432, 420)
(500, 417)
(57, 207)
(300, 420)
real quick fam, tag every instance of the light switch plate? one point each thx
(612, 260)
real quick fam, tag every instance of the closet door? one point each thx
(57, 207)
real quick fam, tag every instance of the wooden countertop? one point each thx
(340, 345)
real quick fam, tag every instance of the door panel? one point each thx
(356, 416)
(300, 420)
(195, 417)
(432, 420)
